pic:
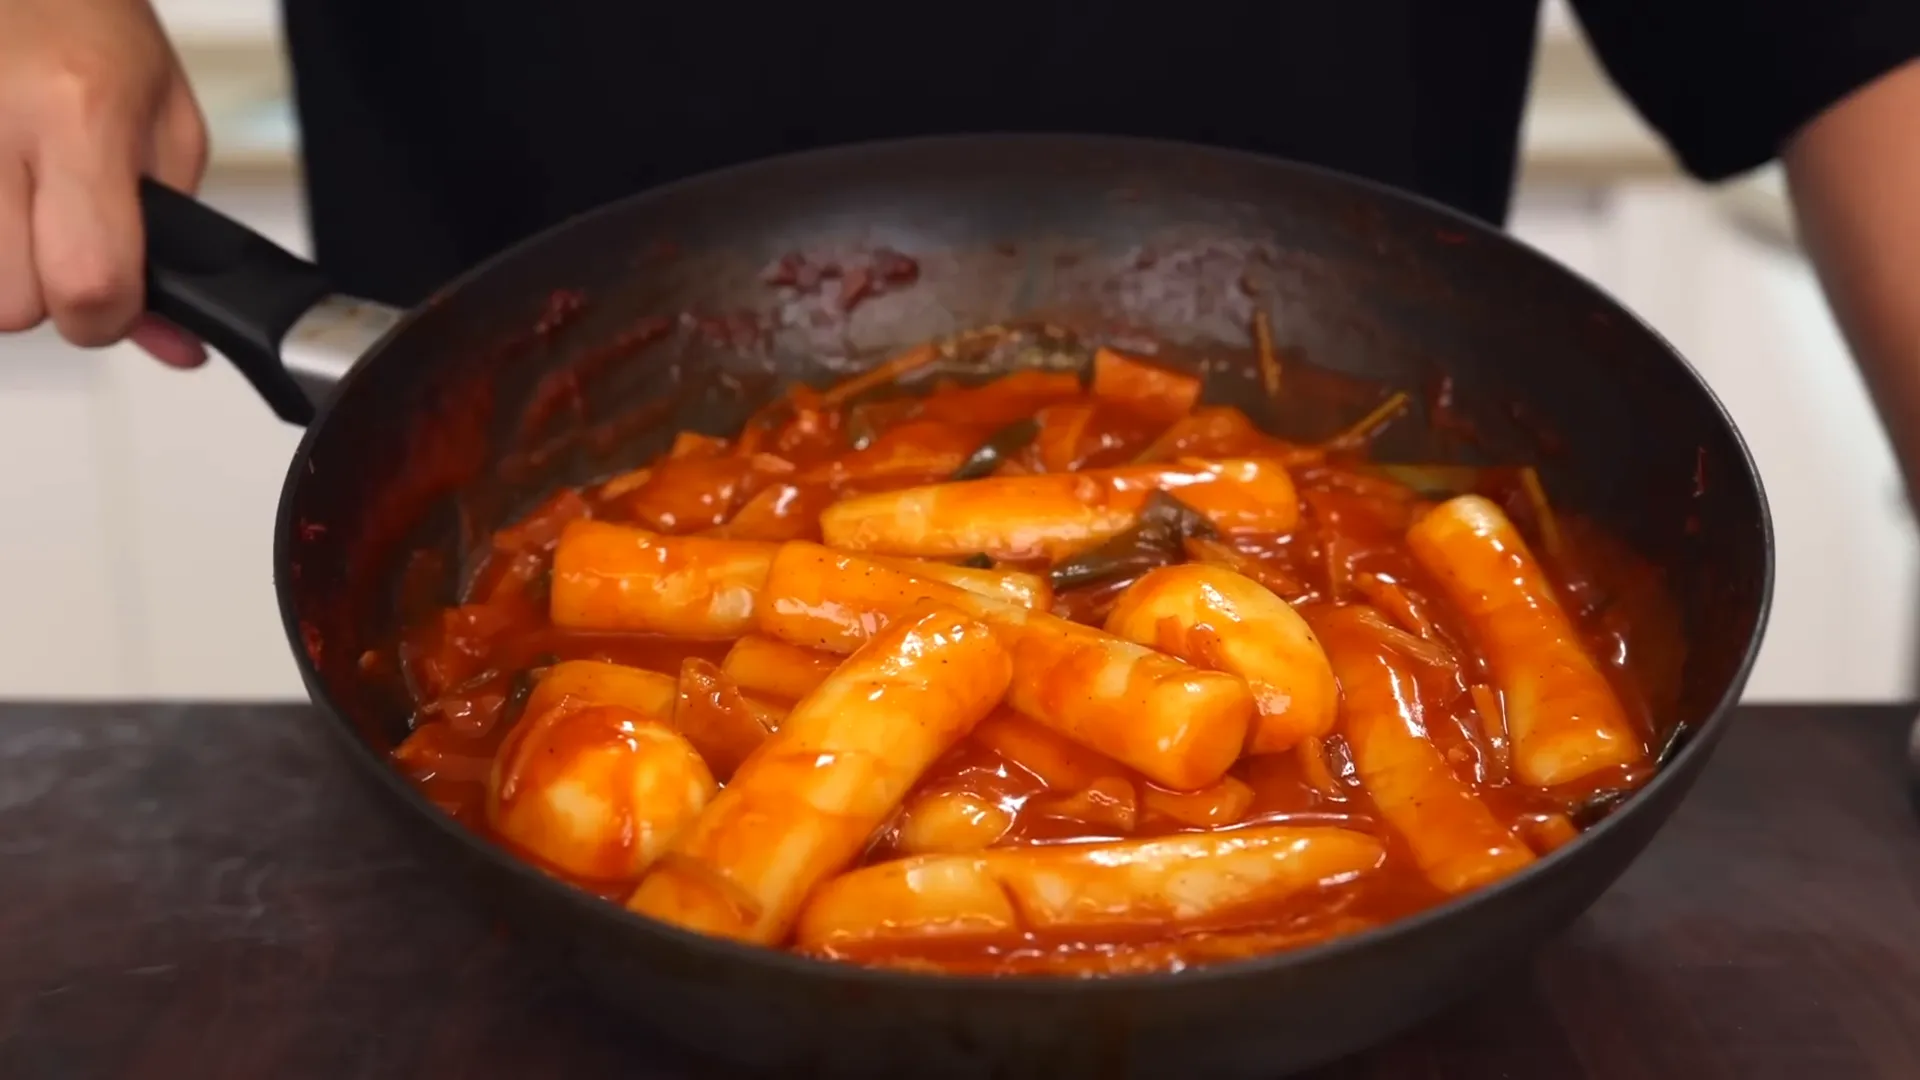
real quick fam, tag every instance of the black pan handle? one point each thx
(244, 295)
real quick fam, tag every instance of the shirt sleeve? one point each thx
(1728, 82)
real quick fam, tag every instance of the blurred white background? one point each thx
(139, 501)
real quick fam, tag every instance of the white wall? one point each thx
(138, 507)
(238, 20)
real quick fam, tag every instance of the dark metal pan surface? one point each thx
(584, 349)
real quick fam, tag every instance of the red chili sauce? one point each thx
(1019, 782)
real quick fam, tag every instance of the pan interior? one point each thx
(582, 353)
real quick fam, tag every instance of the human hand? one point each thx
(92, 96)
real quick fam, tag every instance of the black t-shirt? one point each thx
(438, 133)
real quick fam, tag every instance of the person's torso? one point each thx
(473, 125)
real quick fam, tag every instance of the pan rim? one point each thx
(704, 949)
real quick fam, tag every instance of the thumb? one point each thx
(167, 343)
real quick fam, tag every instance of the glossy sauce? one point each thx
(1014, 782)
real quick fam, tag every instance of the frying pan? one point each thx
(582, 350)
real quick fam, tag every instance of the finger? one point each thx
(20, 307)
(178, 154)
(168, 343)
(87, 236)
(177, 157)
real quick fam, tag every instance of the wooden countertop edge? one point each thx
(276, 922)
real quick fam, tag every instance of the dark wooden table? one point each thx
(203, 891)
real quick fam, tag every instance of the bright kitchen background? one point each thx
(138, 502)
